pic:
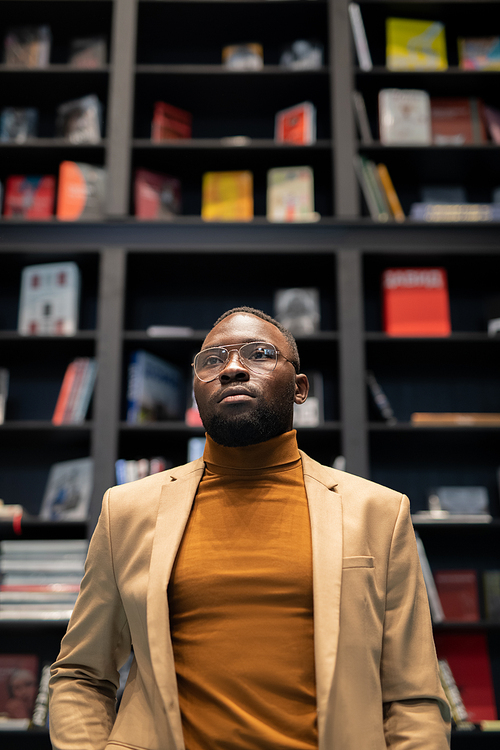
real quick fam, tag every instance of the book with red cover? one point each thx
(416, 302)
(170, 122)
(468, 657)
(29, 197)
(18, 685)
(296, 124)
(157, 196)
(458, 592)
(457, 120)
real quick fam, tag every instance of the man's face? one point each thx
(241, 407)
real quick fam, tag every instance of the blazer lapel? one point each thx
(175, 505)
(325, 511)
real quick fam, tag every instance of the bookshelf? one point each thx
(186, 272)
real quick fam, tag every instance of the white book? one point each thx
(68, 492)
(432, 593)
(49, 300)
(290, 195)
(404, 117)
(359, 35)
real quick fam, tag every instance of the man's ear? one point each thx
(301, 388)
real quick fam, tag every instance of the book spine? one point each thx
(80, 370)
(133, 389)
(85, 392)
(380, 398)
(62, 399)
(41, 709)
(458, 710)
(434, 601)
(370, 171)
(362, 118)
(359, 34)
(392, 196)
(365, 188)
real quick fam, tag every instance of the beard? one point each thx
(262, 423)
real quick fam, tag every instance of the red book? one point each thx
(29, 197)
(64, 393)
(458, 593)
(457, 120)
(296, 124)
(170, 122)
(467, 655)
(157, 196)
(416, 302)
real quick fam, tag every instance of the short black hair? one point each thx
(264, 316)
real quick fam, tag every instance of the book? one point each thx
(467, 419)
(456, 212)
(157, 196)
(155, 389)
(359, 36)
(492, 119)
(39, 718)
(88, 52)
(49, 299)
(415, 44)
(468, 657)
(68, 491)
(4, 392)
(302, 54)
(29, 197)
(458, 593)
(296, 124)
(435, 606)
(479, 53)
(81, 193)
(380, 399)
(404, 117)
(491, 588)
(248, 56)
(75, 392)
(361, 117)
(369, 188)
(459, 713)
(170, 122)
(298, 309)
(127, 470)
(290, 195)
(390, 192)
(227, 196)
(311, 412)
(28, 46)
(18, 688)
(456, 121)
(79, 120)
(416, 302)
(17, 124)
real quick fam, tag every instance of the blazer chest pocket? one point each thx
(359, 561)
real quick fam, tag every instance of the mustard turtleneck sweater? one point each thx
(241, 604)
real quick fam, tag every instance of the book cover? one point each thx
(390, 192)
(18, 686)
(479, 53)
(29, 197)
(49, 299)
(359, 36)
(491, 588)
(290, 194)
(404, 117)
(468, 657)
(457, 120)
(458, 592)
(170, 122)
(155, 389)
(68, 491)
(81, 194)
(28, 46)
(157, 196)
(243, 56)
(415, 45)
(416, 302)
(17, 124)
(296, 124)
(88, 52)
(227, 196)
(79, 121)
(298, 309)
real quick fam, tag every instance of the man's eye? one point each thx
(261, 353)
(212, 361)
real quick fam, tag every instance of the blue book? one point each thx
(155, 389)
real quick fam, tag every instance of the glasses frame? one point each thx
(238, 348)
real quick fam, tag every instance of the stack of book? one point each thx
(40, 579)
(378, 190)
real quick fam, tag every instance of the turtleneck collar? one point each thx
(278, 451)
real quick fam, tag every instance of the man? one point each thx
(272, 603)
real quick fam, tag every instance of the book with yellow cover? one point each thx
(227, 196)
(415, 45)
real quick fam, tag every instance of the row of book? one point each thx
(417, 44)
(30, 47)
(76, 391)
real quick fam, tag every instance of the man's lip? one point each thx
(235, 392)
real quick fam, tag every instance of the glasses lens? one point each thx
(259, 357)
(208, 363)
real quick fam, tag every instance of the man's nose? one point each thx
(233, 369)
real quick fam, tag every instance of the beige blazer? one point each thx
(376, 671)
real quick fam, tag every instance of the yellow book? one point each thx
(227, 196)
(415, 45)
(390, 192)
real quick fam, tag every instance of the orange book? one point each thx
(392, 196)
(81, 192)
(62, 399)
(416, 302)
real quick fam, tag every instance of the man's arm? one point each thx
(85, 675)
(416, 713)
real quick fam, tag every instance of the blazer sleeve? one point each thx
(416, 713)
(85, 675)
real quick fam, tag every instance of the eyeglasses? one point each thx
(257, 356)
